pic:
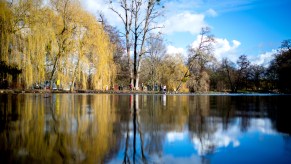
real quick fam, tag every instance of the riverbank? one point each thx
(11, 91)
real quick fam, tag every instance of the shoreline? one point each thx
(11, 91)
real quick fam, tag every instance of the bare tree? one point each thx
(198, 57)
(230, 72)
(236, 76)
(152, 60)
(139, 20)
(256, 74)
(243, 65)
(126, 17)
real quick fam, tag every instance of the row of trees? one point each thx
(59, 40)
(243, 75)
(201, 72)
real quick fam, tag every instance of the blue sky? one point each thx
(251, 27)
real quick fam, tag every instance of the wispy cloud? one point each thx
(202, 5)
(211, 12)
(229, 5)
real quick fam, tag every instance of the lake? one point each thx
(141, 128)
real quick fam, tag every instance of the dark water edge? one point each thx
(145, 128)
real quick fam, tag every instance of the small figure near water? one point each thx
(164, 89)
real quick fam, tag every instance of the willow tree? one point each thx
(102, 68)
(84, 54)
(41, 35)
(22, 39)
(64, 29)
(6, 26)
(6, 37)
(171, 71)
(118, 46)
(57, 41)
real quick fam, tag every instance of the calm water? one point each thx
(101, 128)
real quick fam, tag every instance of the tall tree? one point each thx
(126, 15)
(64, 33)
(141, 22)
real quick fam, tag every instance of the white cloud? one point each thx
(231, 137)
(95, 6)
(220, 138)
(175, 50)
(211, 12)
(262, 125)
(184, 22)
(264, 58)
(181, 17)
(223, 48)
(226, 49)
(175, 136)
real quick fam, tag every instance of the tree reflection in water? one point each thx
(59, 129)
(134, 108)
(76, 128)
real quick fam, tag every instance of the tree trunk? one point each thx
(74, 77)
(128, 58)
(54, 70)
(137, 74)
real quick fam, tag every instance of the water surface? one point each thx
(107, 128)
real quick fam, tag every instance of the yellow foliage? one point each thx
(172, 71)
(62, 42)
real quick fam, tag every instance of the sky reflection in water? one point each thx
(145, 129)
(259, 144)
